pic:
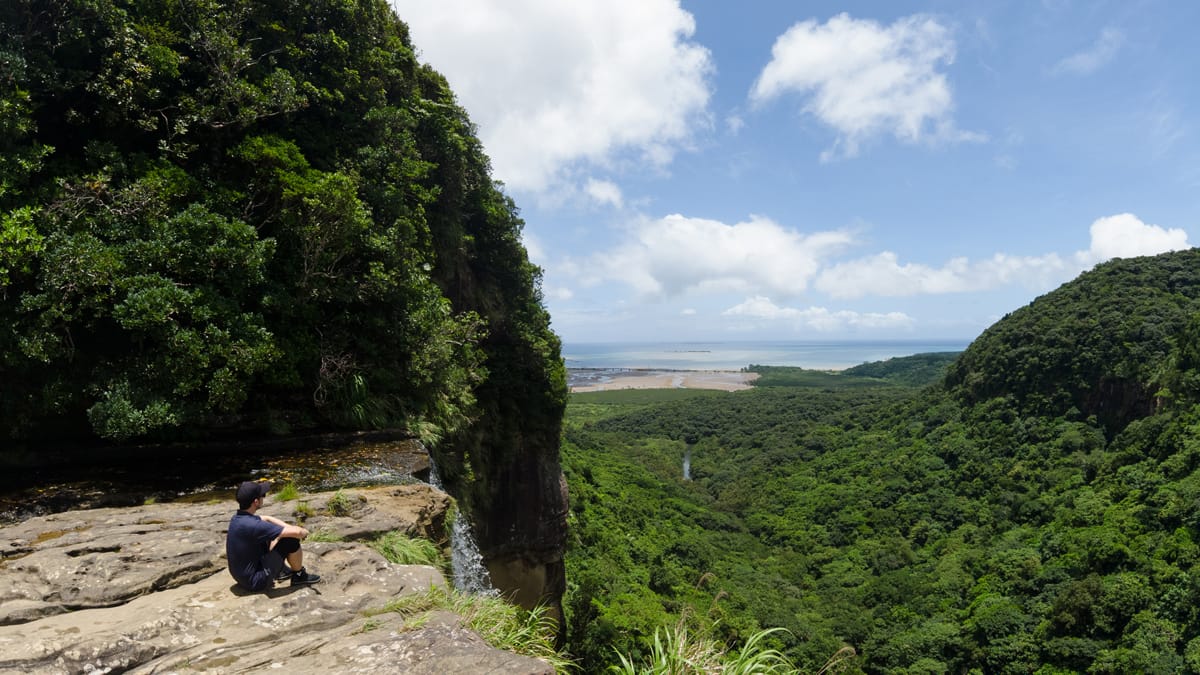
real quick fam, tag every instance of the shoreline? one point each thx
(584, 380)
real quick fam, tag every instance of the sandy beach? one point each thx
(607, 379)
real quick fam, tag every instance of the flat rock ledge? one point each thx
(145, 590)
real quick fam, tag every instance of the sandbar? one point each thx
(581, 380)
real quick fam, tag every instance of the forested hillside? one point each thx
(258, 214)
(240, 218)
(1013, 518)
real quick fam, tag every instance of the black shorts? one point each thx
(272, 562)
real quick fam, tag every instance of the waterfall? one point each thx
(466, 563)
(470, 574)
(687, 464)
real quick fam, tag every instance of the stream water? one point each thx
(203, 476)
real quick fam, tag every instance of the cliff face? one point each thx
(266, 218)
(145, 589)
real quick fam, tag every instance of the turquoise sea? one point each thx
(737, 355)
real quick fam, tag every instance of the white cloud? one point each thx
(676, 254)
(555, 85)
(604, 192)
(817, 318)
(688, 311)
(561, 293)
(865, 80)
(1093, 58)
(883, 275)
(1126, 236)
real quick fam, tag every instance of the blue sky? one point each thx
(713, 170)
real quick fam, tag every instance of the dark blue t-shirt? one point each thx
(249, 539)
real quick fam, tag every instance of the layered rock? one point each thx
(145, 589)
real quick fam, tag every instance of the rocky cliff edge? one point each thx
(145, 590)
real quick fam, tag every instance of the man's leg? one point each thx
(289, 548)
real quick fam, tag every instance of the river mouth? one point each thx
(184, 474)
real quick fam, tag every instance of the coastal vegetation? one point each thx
(1034, 509)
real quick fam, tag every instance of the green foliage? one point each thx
(1096, 346)
(916, 370)
(230, 216)
(340, 504)
(287, 493)
(931, 529)
(304, 511)
(676, 651)
(400, 549)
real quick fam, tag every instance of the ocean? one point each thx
(737, 355)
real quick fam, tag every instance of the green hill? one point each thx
(1100, 345)
(1037, 512)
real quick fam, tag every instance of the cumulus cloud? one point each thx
(1126, 236)
(554, 84)
(673, 255)
(1093, 58)
(604, 192)
(816, 318)
(865, 79)
(882, 274)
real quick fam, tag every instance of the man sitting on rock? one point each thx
(256, 546)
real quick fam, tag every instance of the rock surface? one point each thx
(145, 589)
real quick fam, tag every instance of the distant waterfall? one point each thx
(687, 464)
(466, 563)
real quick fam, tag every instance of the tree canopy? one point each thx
(1038, 510)
(250, 215)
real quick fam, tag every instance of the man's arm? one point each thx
(288, 530)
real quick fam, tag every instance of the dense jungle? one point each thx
(1032, 507)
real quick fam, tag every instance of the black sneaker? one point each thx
(303, 578)
(284, 573)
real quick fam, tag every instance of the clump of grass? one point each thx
(304, 511)
(403, 550)
(287, 493)
(677, 650)
(368, 626)
(501, 625)
(339, 504)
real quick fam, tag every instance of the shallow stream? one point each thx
(203, 476)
